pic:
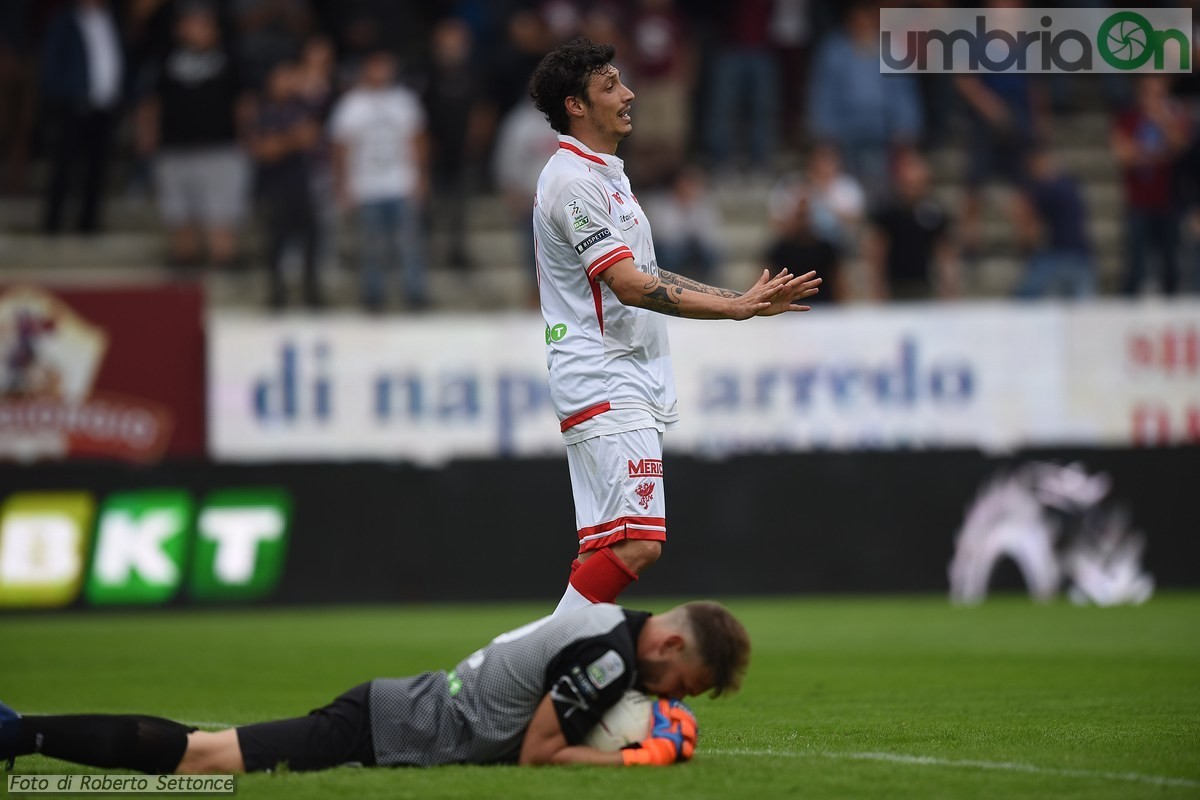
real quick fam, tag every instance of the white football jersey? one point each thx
(610, 364)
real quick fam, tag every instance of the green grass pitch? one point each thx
(846, 697)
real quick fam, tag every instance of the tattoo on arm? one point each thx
(663, 293)
(660, 298)
(695, 286)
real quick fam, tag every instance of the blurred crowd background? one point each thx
(383, 154)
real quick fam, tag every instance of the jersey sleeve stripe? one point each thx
(606, 261)
(583, 416)
(598, 303)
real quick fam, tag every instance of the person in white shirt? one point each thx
(523, 143)
(604, 300)
(380, 160)
(687, 224)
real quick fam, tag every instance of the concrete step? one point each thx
(100, 252)
(1104, 200)
(1087, 163)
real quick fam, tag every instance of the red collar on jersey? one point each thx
(580, 153)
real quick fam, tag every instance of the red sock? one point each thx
(602, 577)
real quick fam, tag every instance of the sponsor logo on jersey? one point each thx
(575, 212)
(646, 467)
(584, 686)
(598, 236)
(606, 669)
(555, 333)
(645, 493)
(566, 692)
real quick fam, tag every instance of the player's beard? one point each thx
(650, 673)
(619, 128)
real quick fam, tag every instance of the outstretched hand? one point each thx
(770, 296)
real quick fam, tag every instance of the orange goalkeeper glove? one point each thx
(673, 737)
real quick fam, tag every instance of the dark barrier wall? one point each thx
(823, 522)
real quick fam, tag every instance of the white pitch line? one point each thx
(1003, 766)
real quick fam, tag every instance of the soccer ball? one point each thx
(628, 722)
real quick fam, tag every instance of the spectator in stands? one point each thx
(909, 254)
(526, 41)
(194, 121)
(660, 73)
(744, 87)
(18, 88)
(1186, 85)
(798, 245)
(1189, 173)
(563, 18)
(381, 172)
(81, 82)
(1007, 112)
(523, 145)
(400, 27)
(269, 31)
(868, 116)
(605, 21)
(687, 226)
(836, 200)
(317, 86)
(938, 96)
(284, 138)
(316, 75)
(1148, 140)
(457, 128)
(1052, 224)
(792, 34)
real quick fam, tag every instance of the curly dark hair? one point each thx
(565, 72)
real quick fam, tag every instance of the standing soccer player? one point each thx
(604, 300)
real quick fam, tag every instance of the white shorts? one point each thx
(617, 481)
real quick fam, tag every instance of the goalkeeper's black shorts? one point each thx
(337, 734)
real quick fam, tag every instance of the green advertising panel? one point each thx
(141, 545)
(241, 542)
(43, 543)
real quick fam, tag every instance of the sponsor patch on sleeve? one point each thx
(576, 213)
(598, 236)
(606, 669)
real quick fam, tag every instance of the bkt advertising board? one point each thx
(989, 376)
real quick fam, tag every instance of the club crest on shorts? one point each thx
(645, 493)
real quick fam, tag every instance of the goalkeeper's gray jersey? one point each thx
(478, 713)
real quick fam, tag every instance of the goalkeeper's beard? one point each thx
(651, 673)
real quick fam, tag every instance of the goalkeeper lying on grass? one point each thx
(529, 697)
